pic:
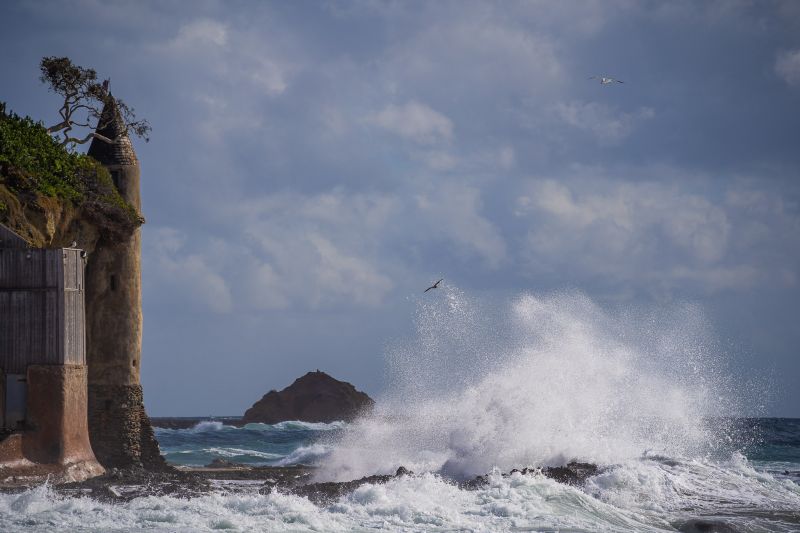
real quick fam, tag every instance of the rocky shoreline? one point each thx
(124, 485)
(119, 485)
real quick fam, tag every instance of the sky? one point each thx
(314, 165)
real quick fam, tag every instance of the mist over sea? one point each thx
(483, 389)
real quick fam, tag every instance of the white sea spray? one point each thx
(541, 381)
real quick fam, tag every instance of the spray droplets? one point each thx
(539, 381)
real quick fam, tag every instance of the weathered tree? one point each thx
(83, 101)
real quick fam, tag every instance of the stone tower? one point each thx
(119, 429)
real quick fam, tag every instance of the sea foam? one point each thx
(638, 496)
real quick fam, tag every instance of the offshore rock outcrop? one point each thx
(315, 397)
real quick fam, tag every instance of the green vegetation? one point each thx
(31, 161)
(27, 148)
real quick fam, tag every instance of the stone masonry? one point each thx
(119, 428)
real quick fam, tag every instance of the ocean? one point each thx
(757, 489)
(283, 444)
(482, 390)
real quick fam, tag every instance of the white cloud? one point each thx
(414, 121)
(199, 33)
(314, 251)
(604, 123)
(710, 12)
(718, 278)
(227, 71)
(625, 213)
(470, 53)
(506, 157)
(269, 75)
(787, 66)
(190, 273)
(659, 234)
(340, 250)
(439, 160)
(349, 276)
(453, 213)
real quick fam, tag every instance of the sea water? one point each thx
(283, 444)
(482, 389)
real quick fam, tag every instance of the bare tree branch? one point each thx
(58, 127)
(83, 102)
(91, 135)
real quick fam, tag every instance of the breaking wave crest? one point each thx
(541, 381)
(216, 425)
(306, 455)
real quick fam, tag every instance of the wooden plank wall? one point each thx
(9, 239)
(74, 325)
(42, 317)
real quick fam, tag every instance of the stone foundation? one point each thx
(55, 441)
(120, 429)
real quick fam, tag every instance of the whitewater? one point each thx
(482, 388)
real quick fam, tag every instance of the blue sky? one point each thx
(314, 164)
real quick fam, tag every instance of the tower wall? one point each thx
(119, 428)
(114, 298)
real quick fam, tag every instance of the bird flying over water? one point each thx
(434, 286)
(605, 80)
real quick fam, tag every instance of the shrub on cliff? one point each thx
(33, 162)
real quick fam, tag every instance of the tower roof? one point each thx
(112, 125)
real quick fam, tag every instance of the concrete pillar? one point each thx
(57, 429)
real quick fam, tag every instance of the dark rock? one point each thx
(573, 473)
(697, 525)
(124, 484)
(329, 492)
(315, 397)
(403, 471)
(224, 463)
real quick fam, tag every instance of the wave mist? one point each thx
(542, 380)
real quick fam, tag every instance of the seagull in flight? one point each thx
(604, 80)
(434, 286)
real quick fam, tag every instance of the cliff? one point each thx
(315, 397)
(53, 197)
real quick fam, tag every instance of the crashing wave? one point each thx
(540, 382)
